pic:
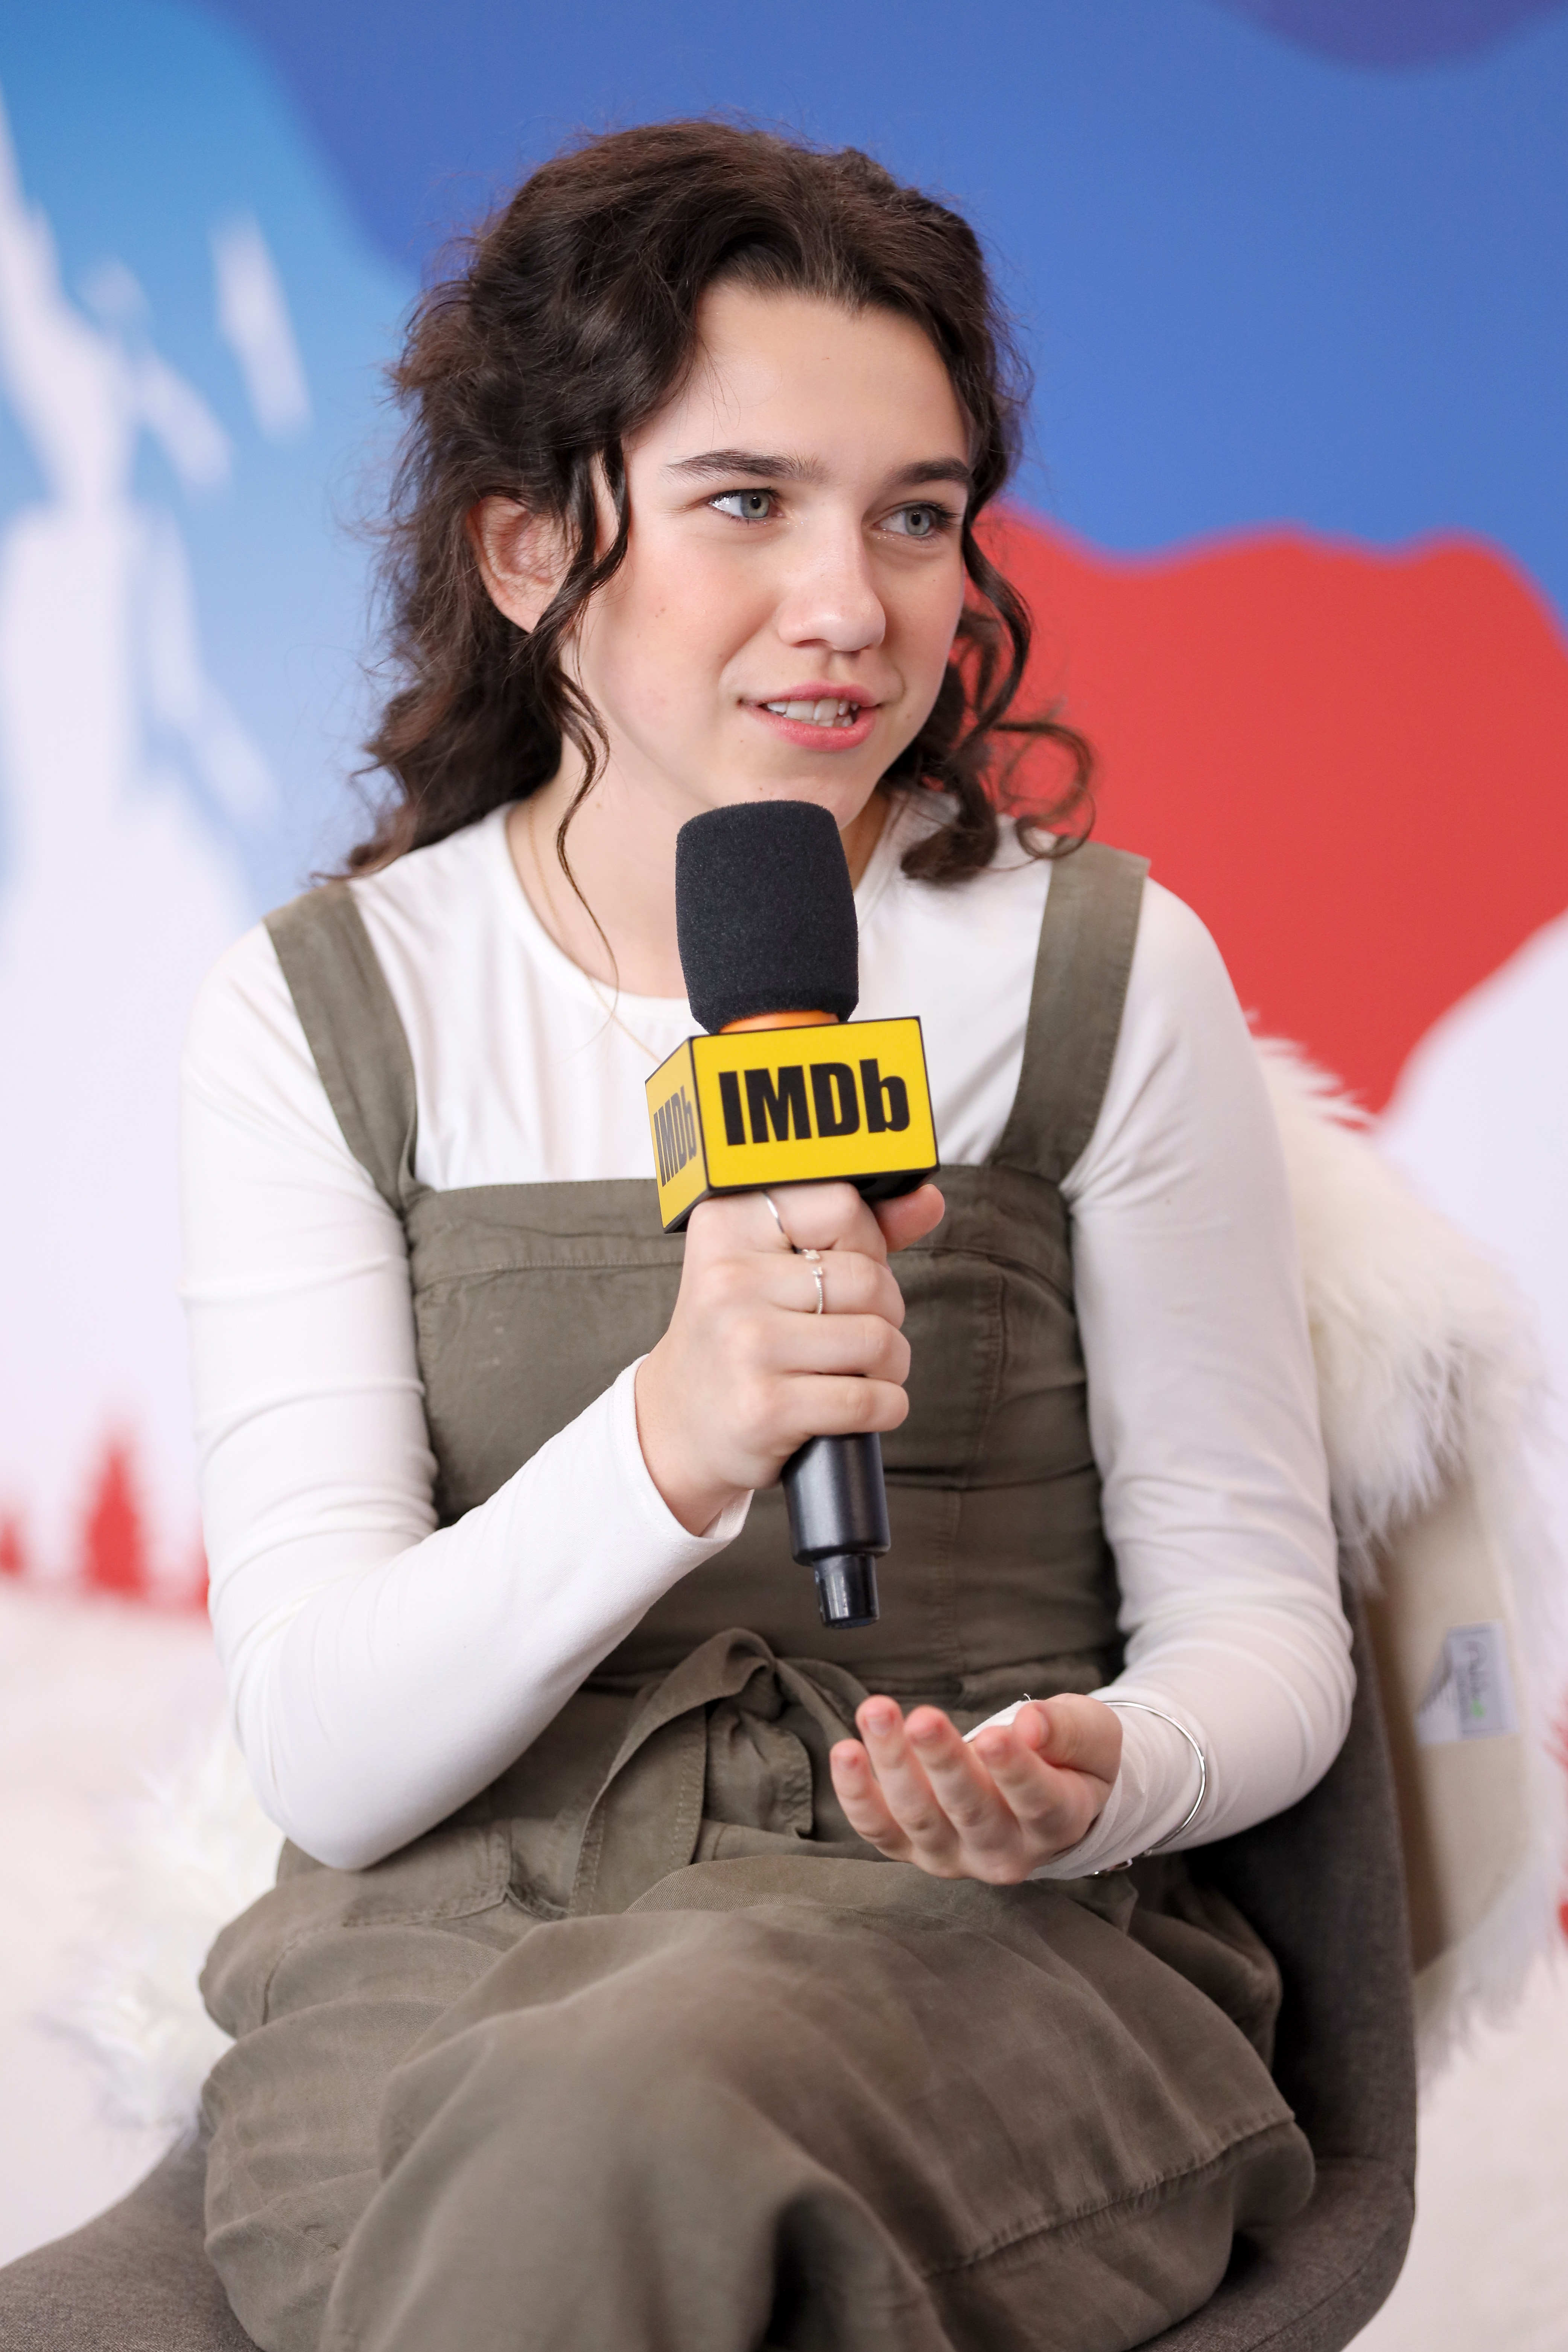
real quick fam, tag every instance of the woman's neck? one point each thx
(622, 849)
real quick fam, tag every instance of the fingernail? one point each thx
(878, 1719)
(926, 1734)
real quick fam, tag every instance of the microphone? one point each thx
(785, 1089)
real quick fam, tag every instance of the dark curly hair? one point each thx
(573, 321)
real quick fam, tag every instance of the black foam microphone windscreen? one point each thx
(765, 913)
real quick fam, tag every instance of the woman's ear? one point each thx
(521, 558)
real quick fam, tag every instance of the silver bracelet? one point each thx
(1159, 1845)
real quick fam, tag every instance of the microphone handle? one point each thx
(837, 1504)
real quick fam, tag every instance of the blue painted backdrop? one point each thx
(1277, 258)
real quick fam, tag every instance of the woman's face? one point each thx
(782, 621)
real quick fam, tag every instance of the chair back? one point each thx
(1323, 1885)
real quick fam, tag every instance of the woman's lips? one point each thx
(826, 722)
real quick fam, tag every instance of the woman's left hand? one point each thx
(994, 1807)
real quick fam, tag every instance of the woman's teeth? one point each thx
(826, 713)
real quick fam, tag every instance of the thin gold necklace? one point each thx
(551, 926)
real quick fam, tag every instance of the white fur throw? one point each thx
(190, 1852)
(1426, 1372)
(1424, 1348)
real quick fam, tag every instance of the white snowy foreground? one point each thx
(93, 1694)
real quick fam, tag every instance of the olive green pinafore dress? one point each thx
(644, 2048)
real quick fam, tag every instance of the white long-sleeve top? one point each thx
(382, 1672)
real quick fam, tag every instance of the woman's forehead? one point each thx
(810, 383)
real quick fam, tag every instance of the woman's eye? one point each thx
(920, 522)
(746, 506)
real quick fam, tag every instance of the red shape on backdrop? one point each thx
(1352, 764)
(114, 1539)
(13, 1553)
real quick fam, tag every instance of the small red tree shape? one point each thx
(114, 1539)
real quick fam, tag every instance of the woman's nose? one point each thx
(831, 598)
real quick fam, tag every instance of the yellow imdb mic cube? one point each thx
(835, 1102)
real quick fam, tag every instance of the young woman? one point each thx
(649, 1967)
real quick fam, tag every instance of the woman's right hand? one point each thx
(748, 1370)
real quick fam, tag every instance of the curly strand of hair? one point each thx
(960, 761)
(583, 721)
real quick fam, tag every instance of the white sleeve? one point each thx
(1203, 1417)
(379, 1672)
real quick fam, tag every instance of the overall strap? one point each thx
(1087, 937)
(353, 1029)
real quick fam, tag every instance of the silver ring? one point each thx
(813, 1257)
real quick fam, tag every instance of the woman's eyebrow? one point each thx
(934, 469)
(713, 464)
